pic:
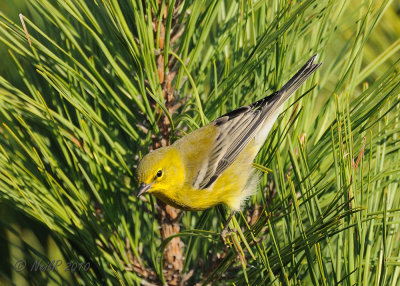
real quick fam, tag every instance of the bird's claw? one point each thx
(225, 233)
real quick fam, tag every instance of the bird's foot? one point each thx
(226, 233)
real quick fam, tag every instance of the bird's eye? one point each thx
(159, 174)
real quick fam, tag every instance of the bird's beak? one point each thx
(143, 188)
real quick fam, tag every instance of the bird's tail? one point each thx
(273, 104)
(298, 79)
(277, 99)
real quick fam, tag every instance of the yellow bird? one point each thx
(213, 164)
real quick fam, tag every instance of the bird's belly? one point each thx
(190, 199)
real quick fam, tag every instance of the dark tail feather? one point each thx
(298, 79)
(278, 98)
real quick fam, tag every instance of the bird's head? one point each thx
(160, 171)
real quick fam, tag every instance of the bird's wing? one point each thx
(239, 127)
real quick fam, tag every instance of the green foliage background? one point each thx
(80, 106)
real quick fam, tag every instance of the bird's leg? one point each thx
(225, 231)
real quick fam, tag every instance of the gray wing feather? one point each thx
(238, 127)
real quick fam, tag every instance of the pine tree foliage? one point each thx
(96, 84)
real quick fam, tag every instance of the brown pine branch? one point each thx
(168, 216)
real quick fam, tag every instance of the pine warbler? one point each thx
(213, 164)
